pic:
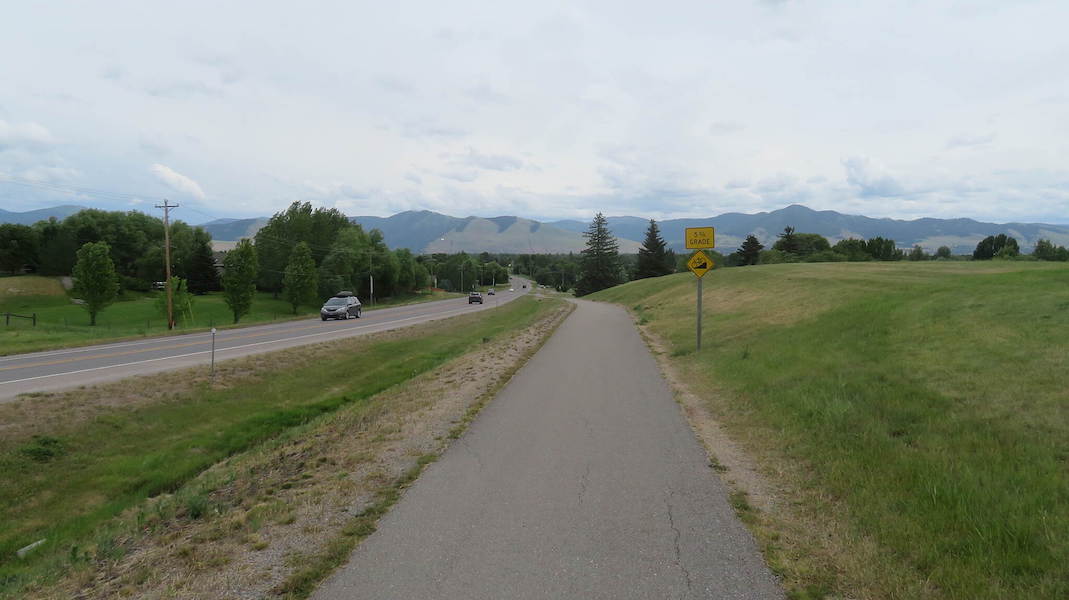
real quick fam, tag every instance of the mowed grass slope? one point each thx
(66, 474)
(62, 323)
(928, 402)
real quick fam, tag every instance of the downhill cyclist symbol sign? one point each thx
(699, 264)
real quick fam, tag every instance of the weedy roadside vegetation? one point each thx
(911, 416)
(229, 459)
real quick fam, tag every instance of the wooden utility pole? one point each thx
(167, 258)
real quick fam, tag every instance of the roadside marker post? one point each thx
(213, 352)
(700, 238)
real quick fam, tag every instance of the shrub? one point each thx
(43, 448)
(134, 284)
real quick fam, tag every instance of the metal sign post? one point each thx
(699, 336)
(213, 351)
(699, 238)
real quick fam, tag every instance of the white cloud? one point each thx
(177, 181)
(28, 135)
(50, 174)
(461, 175)
(492, 162)
(871, 179)
(724, 128)
(965, 140)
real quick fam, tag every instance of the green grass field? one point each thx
(928, 403)
(63, 324)
(73, 474)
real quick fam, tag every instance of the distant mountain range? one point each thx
(232, 230)
(961, 235)
(42, 214)
(426, 231)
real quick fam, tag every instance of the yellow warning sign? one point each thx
(699, 264)
(700, 238)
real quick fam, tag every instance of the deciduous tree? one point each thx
(999, 245)
(95, 279)
(201, 272)
(18, 247)
(299, 282)
(239, 278)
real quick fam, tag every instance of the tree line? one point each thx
(811, 247)
(302, 255)
(135, 246)
(600, 264)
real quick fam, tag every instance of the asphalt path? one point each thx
(72, 367)
(580, 480)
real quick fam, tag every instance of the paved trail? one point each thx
(580, 480)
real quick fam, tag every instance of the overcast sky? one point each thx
(539, 109)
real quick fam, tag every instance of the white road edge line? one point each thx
(169, 338)
(141, 362)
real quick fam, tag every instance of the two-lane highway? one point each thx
(60, 369)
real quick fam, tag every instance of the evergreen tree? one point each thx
(787, 241)
(239, 278)
(750, 251)
(299, 282)
(654, 259)
(95, 280)
(203, 276)
(600, 261)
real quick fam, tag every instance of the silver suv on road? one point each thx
(341, 306)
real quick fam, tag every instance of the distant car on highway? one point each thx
(475, 297)
(341, 306)
(512, 289)
(490, 292)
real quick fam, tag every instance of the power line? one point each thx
(56, 187)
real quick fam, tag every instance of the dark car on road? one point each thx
(341, 306)
(475, 297)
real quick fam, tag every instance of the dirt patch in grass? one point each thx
(275, 520)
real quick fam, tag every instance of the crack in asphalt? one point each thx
(464, 442)
(582, 483)
(678, 534)
(586, 425)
